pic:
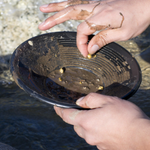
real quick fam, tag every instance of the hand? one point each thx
(118, 20)
(112, 123)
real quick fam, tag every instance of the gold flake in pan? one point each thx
(60, 79)
(61, 70)
(89, 56)
(100, 88)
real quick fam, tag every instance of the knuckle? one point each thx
(90, 96)
(64, 116)
(102, 39)
(110, 99)
(80, 28)
(90, 140)
(86, 125)
(113, 100)
(65, 119)
(70, 9)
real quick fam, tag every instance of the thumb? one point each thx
(105, 37)
(94, 100)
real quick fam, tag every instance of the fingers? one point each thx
(77, 12)
(83, 31)
(98, 41)
(103, 38)
(108, 22)
(53, 7)
(60, 17)
(110, 30)
(82, 39)
(70, 116)
(94, 100)
(79, 131)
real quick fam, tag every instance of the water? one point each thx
(26, 123)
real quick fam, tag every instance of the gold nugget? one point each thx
(89, 56)
(59, 79)
(94, 55)
(80, 82)
(61, 70)
(100, 88)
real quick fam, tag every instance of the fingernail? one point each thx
(42, 24)
(79, 100)
(45, 5)
(94, 49)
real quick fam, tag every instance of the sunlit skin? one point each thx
(110, 123)
(106, 13)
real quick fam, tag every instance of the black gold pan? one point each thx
(50, 68)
